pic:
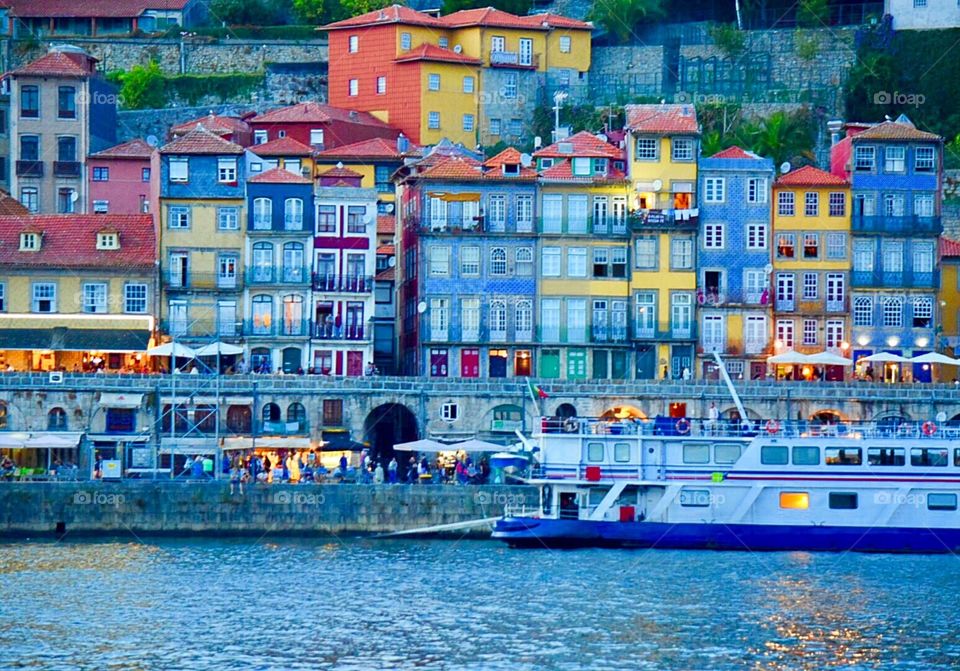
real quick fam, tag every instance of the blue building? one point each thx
(896, 173)
(277, 257)
(475, 280)
(733, 262)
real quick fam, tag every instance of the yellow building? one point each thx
(662, 148)
(584, 290)
(811, 264)
(949, 295)
(77, 292)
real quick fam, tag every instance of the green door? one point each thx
(550, 363)
(618, 365)
(576, 364)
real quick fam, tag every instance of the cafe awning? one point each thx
(114, 400)
(789, 358)
(63, 339)
(39, 441)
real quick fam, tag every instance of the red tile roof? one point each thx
(734, 152)
(386, 275)
(490, 17)
(949, 248)
(377, 147)
(663, 119)
(220, 125)
(59, 64)
(509, 156)
(386, 224)
(10, 205)
(387, 250)
(902, 129)
(279, 176)
(88, 8)
(563, 172)
(431, 52)
(340, 171)
(70, 241)
(200, 141)
(810, 176)
(452, 167)
(583, 145)
(135, 149)
(312, 112)
(285, 146)
(392, 14)
(558, 21)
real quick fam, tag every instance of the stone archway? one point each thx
(565, 410)
(387, 425)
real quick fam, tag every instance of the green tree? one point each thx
(620, 17)
(728, 38)
(813, 13)
(520, 7)
(248, 12)
(319, 11)
(783, 137)
(141, 87)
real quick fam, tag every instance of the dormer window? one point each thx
(227, 170)
(29, 242)
(511, 168)
(108, 240)
(546, 163)
(599, 166)
(581, 167)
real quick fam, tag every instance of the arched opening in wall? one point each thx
(57, 419)
(387, 425)
(238, 419)
(296, 413)
(623, 412)
(205, 418)
(270, 416)
(506, 418)
(565, 410)
(826, 417)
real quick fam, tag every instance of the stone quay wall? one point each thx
(184, 508)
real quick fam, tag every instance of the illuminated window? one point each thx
(794, 500)
(843, 456)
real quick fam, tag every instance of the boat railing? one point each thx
(734, 428)
(520, 510)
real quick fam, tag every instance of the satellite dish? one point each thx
(152, 140)
(389, 208)
(526, 160)
(457, 49)
(74, 196)
(421, 307)
(601, 137)
(392, 261)
(768, 268)
(657, 184)
(785, 167)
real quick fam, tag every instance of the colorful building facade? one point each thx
(124, 179)
(319, 126)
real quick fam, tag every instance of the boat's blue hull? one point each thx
(534, 532)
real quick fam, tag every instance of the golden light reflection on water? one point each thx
(16, 558)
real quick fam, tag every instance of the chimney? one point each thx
(835, 126)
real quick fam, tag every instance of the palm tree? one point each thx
(783, 137)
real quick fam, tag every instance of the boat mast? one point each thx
(730, 387)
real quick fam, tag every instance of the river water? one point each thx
(388, 604)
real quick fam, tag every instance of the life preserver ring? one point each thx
(571, 425)
(773, 426)
(683, 426)
(929, 428)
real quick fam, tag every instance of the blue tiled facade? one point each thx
(202, 179)
(278, 195)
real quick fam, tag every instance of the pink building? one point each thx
(124, 179)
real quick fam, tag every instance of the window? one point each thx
(498, 261)
(524, 256)
(786, 245)
(695, 498)
(834, 333)
(601, 258)
(178, 217)
(108, 241)
(262, 214)
(509, 90)
(893, 205)
(894, 159)
(892, 256)
(66, 200)
(806, 456)
(836, 245)
(682, 149)
(809, 331)
(922, 256)
(381, 89)
(922, 312)
(516, 127)
(356, 219)
(293, 214)
(843, 456)
(714, 189)
(863, 311)
(135, 298)
(865, 204)
(843, 501)
(470, 318)
(756, 236)
(101, 174)
(439, 261)
(886, 456)
(646, 253)
(468, 84)
(449, 412)
(595, 452)
(433, 120)
(443, 42)
(681, 254)
(785, 332)
(864, 159)
(774, 455)
(353, 44)
(811, 245)
(565, 44)
(757, 190)
(923, 204)
(811, 204)
(44, 297)
(925, 159)
(785, 203)
(433, 82)
(726, 453)
(494, 128)
(405, 41)
(550, 262)
(227, 170)
(29, 102)
(696, 453)
(523, 318)
(179, 169)
(228, 218)
(469, 262)
(66, 148)
(647, 149)
(576, 262)
(326, 217)
(937, 501)
(353, 87)
(794, 500)
(95, 297)
(929, 456)
(439, 318)
(332, 412)
(468, 123)
(713, 236)
(892, 311)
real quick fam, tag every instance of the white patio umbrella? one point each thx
(935, 357)
(886, 357)
(422, 445)
(173, 349)
(829, 359)
(789, 358)
(474, 445)
(221, 348)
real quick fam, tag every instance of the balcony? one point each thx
(672, 220)
(907, 279)
(280, 428)
(202, 328)
(66, 168)
(200, 281)
(277, 329)
(351, 332)
(664, 332)
(514, 59)
(719, 297)
(349, 284)
(602, 333)
(455, 225)
(29, 168)
(600, 226)
(906, 225)
(262, 275)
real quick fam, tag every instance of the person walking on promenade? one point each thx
(378, 474)
(236, 476)
(412, 469)
(293, 468)
(392, 471)
(196, 470)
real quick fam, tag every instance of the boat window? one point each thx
(628, 497)
(941, 501)
(594, 451)
(886, 456)
(956, 456)
(596, 496)
(695, 498)
(621, 452)
(843, 501)
(805, 455)
(929, 456)
(844, 456)
(696, 453)
(774, 455)
(794, 500)
(727, 453)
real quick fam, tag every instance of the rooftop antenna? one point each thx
(558, 98)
